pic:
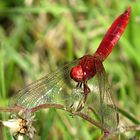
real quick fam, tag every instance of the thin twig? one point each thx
(57, 106)
(12, 110)
(80, 114)
(122, 129)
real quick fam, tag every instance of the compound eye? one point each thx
(77, 74)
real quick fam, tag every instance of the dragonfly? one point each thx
(81, 83)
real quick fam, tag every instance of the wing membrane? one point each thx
(102, 102)
(56, 87)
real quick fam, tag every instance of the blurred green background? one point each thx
(39, 36)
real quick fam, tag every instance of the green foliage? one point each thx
(36, 37)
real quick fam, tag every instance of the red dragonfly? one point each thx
(70, 85)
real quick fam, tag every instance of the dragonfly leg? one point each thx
(79, 85)
(86, 91)
(86, 88)
(118, 118)
(83, 100)
(79, 105)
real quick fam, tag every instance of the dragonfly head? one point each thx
(77, 73)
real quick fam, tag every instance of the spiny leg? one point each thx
(86, 90)
(79, 85)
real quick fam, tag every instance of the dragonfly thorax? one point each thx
(84, 70)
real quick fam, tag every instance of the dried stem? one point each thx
(80, 114)
(86, 117)
(57, 106)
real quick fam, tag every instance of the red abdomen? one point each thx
(113, 34)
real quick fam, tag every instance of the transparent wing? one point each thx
(102, 102)
(56, 87)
